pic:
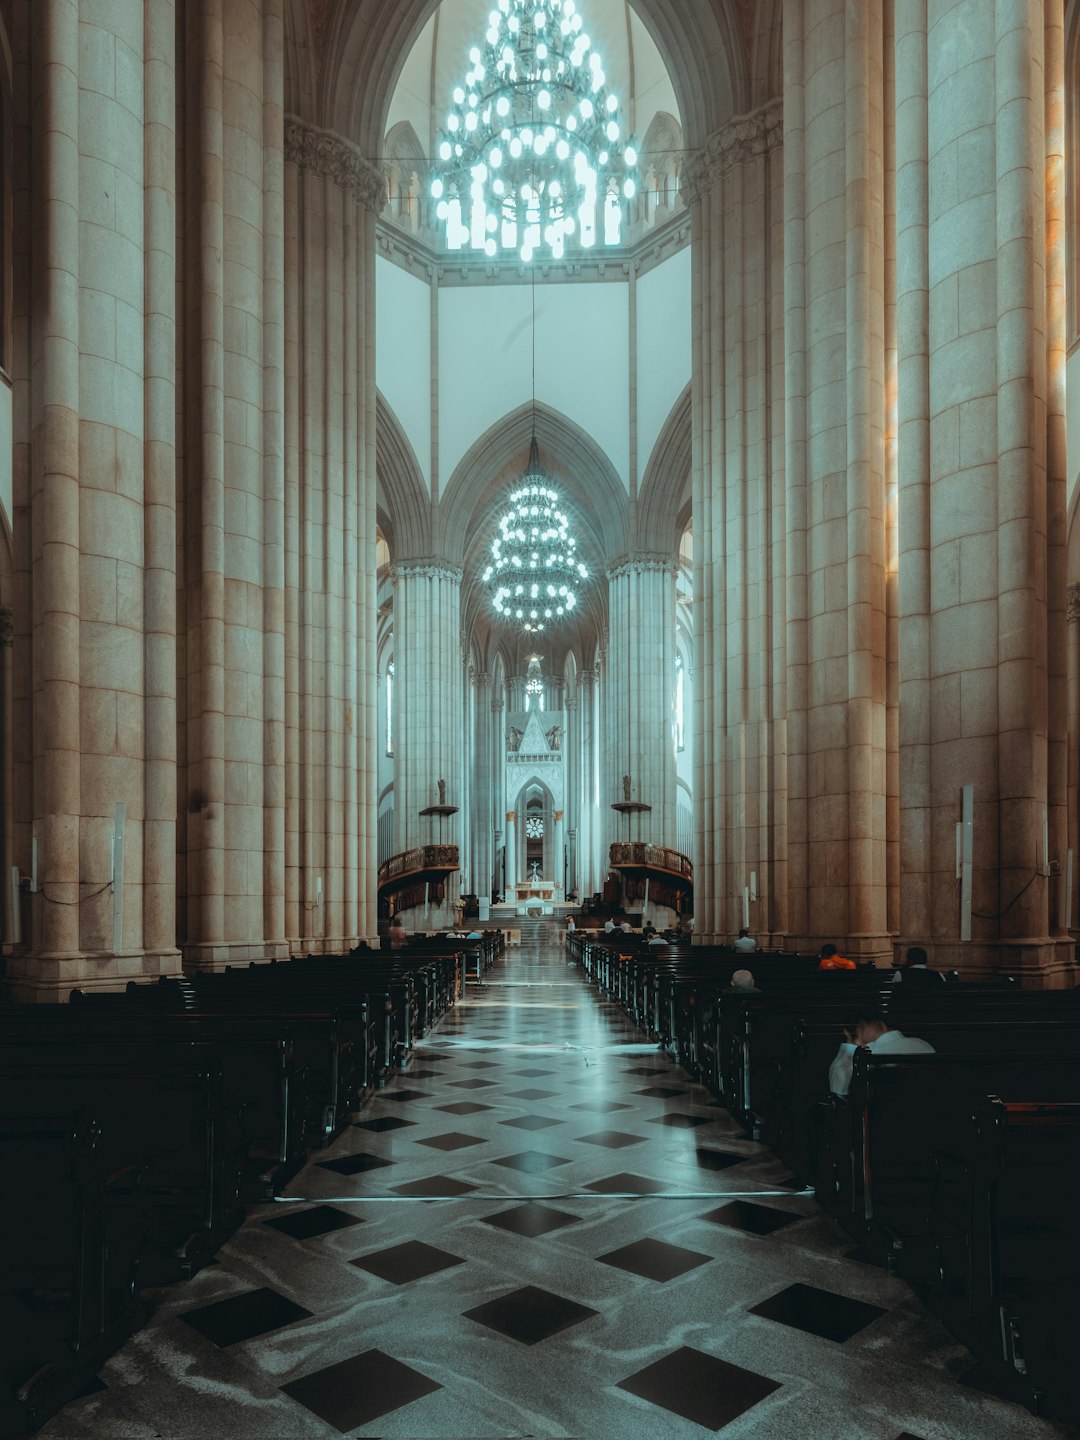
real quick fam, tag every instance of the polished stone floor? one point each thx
(542, 1229)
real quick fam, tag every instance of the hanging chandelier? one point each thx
(533, 148)
(534, 571)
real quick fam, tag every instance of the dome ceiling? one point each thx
(440, 58)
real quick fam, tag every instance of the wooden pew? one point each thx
(1002, 1217)
(259, 1069)
(68, 1294)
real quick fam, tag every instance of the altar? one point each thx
(537, 897)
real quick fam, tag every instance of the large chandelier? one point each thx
(534, 570)
(533, 148)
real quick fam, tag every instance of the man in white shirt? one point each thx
(746, 941)
(871, 1031)
(609, 925)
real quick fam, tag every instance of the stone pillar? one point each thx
(330, 621)
(95, 494)
(1073, 765)
(498, 786)
(592, 821)
(55, 517)
(559, 867)
(981, 347)
(159, 506)
(572, 750)
(511, 854)
(836, 521)
(481, 815)
(739, 704)
(428, 679)
(640, 689)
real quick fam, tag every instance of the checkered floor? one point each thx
(542, 1229)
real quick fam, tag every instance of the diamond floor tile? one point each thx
(455, 1140)
(411, 1261)
(655, 1259)
(700, 1387)
(625, 1183)
(531, 1122)
(355, 1164)
(818, 1312)
(463, 1107)
(243, 1317)
(434, 1186)
(532, 1162)
(355, 1392)
(383, 1123)
(531, 1220)
(757, 1219)
(309, 1224)
(611, 1139)
(530, 1315)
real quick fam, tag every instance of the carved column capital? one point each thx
(309, 147)
(741, 139)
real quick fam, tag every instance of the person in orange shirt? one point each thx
(828, 959)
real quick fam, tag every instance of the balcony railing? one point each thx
(638, 855)
(421, 860)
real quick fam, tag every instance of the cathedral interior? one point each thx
(474, 463)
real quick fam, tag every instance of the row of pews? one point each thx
(959, 1170)
(136, 1127)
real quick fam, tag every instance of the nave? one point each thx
(541, 1228)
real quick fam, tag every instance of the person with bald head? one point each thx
(742, 983)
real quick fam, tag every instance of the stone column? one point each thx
(330, 621)
(94, 492)
(159, 471)
(590, 827)
(572, 750)
(1073, 769)
(481, 812)
(739, 732)
(836, 521)
(559, 868)
(511, 854)
(55, 517)
(640, 687)
(428, 678)
(981, 393)
(498, 784)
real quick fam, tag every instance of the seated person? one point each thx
(742, 983)
(828, 959)
(655, 938)
(745, 941)
(872, 1031)
(399, 936)
(626, 927)
(609, 925)
(915, 973)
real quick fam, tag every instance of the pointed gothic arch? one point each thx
(403, 506)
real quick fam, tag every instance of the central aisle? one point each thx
(541, 1229)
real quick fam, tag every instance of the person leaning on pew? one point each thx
(399, 936)
(828, 959)
(871, 1032)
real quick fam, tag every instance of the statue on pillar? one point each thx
(626, 788)
(442, 792)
